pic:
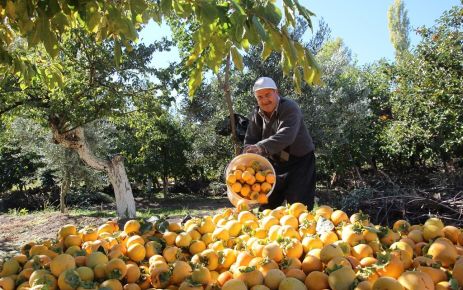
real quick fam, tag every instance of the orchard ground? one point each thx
(20, 227)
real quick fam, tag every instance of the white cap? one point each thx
(264, 83)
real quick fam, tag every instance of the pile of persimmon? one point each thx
(251, 181)
(287, 248)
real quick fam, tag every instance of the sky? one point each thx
(362, 24)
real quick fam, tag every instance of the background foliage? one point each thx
(388, 118)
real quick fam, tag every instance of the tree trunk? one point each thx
(64, 189)
(114, 167)
(165, 181)
(125, 202)
(149, 184)
(228, 100)
(334, 179)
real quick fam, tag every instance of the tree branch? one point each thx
(75, 140)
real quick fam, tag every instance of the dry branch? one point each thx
(389, 201)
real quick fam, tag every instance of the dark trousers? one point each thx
(295, 181)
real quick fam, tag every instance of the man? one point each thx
(276, 130)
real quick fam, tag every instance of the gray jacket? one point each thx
(284, 131)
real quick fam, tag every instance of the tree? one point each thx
(62, 164)
(17, 168)
(399, 27)
(156, 146)
(210, 152)
(94, 88)
(338, 115)
(378, 78)
(426, 97)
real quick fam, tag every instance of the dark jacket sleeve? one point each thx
(289, 121)
(254, 130)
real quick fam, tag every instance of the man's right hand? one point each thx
(253, 149)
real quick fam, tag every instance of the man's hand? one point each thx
(253, 149)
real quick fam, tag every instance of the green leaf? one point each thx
(33, 38)
(245, 43)
(196, 51)
(196, 77)
(103, 31)
(60, 22)
(55, 77)
(117, 53)
(157, 17)
(216, 54)
(266, 50)
(145, 227)
(297, 79)
(161, 225)
(309, 73)
(300, 50)
(25, 26)
(316, 79)
(187, 10)
(50, 41)
(204, 40)
(272, 13)
(289, 48)
(52, 8)
(289, 14)
(18, 67)
(238, 7)
(10, 9)
(166, 6)
(130, 32)
(138, 18)
(286, 66)
(90, 8)
(23, 85)
(178, 8)
(208, 12)
(137, 7)
(305, 13)
(93, 22)
(251, 33)
(239, 29)
(289, 3)
(237, 58)
(276, 39)
(259, 28)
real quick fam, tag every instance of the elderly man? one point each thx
(276, 130)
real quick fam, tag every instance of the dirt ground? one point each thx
(16, 230)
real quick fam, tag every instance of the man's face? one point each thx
(267, 99)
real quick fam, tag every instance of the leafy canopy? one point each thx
(224, 27)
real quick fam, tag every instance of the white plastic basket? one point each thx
(246, 159)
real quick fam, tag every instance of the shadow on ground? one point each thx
(16, 230)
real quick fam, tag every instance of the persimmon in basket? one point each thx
(251, 181)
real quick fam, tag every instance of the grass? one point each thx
(18, 212)
(168, 212)
(106, 213)
(175, 205)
